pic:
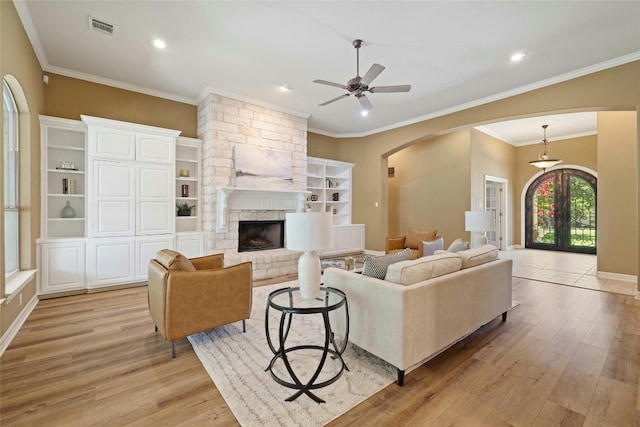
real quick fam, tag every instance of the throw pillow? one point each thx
(477, 256)
(410, 272)
(376, 266)
(415, 237)
(458, 245)
(429, 248)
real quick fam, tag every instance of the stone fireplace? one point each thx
(224, 123)
(260, 235)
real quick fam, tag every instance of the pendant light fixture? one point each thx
(544, 161)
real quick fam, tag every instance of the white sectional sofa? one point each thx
(425, 305)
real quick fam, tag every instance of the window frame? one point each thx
(11, 190)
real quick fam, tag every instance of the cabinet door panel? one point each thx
(155, 201)
(191, 246)
(146, 250)
(157, 149)
(114, 193)
(112, 143)
(62, 267)
(113, 261)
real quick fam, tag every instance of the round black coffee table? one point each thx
(288, 302)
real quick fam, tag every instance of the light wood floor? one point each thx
(566, 356)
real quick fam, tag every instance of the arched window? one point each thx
(11, 181)
(561, 212)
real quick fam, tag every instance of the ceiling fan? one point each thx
(359, 85)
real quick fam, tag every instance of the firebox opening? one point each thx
(260, 235)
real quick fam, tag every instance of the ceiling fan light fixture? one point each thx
(286, 87)
(543, 162)
(364, 113)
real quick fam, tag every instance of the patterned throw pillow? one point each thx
(376, 266)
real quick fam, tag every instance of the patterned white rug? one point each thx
(236, 362)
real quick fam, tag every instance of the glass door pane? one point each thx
(582, 213)
(543, 212)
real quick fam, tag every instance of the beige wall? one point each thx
(19, 61)
(69, 98)
(613, 89)
(617, 191)
(425, 176)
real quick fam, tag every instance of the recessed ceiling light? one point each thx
(518, 56)
(158, 44)
(364, 113)
(286, 87)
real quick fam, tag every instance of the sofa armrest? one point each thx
(380, 315)
(204, 299)
(394, 243)
(208, 262)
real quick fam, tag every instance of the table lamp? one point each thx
(309, 232)
(481, 221)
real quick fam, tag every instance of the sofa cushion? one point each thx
(172, 260)
(458, 245)
(477, 256)
(376, 266)
(410, 272)
(415, 237)
(429, 248)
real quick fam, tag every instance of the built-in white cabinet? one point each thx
(329, 184)
(120, 180)
(61, 266)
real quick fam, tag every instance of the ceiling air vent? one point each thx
(100, 26)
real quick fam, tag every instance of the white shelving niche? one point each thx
(329, 182)
(63, 158)
(189, 236)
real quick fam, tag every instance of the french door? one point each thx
(560, 212)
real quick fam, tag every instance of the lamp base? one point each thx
(309, 277)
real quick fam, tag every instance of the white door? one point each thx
(154, 148)
(62, 267)
(114, 144)
(494, 200)
(114, 199)
(155, 202)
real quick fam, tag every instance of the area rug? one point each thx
(236, 363)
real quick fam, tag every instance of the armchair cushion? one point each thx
(172, 260)
(415, 237)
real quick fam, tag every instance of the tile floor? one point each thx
(564, 268)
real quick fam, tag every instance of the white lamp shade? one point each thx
(309, 231)
(479, 221)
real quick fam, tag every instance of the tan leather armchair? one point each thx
(412, 240)
(194, 295)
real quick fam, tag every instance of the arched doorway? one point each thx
(560, 211)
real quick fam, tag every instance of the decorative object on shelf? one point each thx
(314, 197)
(336, 197)
(328, 183)
(72, 186)
(481, 221)
(544, 161)
(67, 166)
(65, 186)
(184, 209)
(184, 172)
(185, 190)
(67, 211)
(309, 232)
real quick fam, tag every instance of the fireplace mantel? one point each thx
(238, 198)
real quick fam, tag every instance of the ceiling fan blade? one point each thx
(398, 88)
(365, 103)
(324, 82)
(338, 98)
(372, 74)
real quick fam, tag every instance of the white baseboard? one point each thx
(617, 276)
(11, 333)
